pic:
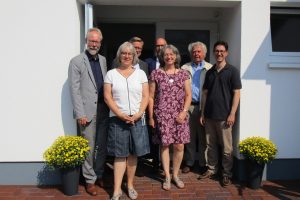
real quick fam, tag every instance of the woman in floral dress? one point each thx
(170, 98)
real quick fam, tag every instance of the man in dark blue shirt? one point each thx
(220, 100)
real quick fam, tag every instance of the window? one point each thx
(285, 29)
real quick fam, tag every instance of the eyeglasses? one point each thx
(220, 51)
(126, 54)
(94, 42)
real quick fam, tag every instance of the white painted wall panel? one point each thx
(270, 97)
(256, 93)
(38, 38)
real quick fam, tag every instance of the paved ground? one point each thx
(148, 185)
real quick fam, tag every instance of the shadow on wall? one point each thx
(69, 123)
(45, 174)
(283, 101)
(48, 176)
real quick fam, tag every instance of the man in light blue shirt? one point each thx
(197, 69)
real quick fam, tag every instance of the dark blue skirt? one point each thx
(125, 139)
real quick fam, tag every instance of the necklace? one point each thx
(170, 80)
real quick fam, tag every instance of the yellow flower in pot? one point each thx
(68, 153)
(258, 151)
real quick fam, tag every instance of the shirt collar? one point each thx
(200, 65)
(224, 68)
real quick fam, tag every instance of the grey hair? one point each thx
(175, 51)
(132, 50)
(193, 44)
(94, 30)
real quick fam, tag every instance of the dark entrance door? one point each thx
(182, 38)
(114, 34)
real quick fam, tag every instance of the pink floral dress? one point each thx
(168, 103)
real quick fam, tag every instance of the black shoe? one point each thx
(186, 169)
(203, 169)
(207, 174)
(226, 181)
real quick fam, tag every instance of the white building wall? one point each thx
(255, 106)
(283, 78)
(38, 38)
(270, 97)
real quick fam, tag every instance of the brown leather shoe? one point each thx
(186, 169)
(91, 189)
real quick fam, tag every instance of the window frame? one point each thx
(287, 60)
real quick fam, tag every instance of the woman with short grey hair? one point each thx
(126, 93)
(176, 53)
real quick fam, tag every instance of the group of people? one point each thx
(178, 106)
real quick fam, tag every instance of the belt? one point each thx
(195, 103)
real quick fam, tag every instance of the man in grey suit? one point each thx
(85, 76)
(138, 44)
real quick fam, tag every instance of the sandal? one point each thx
(116, 197)
(132, 193)
(167, 184)
(179, 183)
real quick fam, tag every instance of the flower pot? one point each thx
(255, 173)
(70, 180)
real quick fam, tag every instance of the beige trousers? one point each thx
(219, 134)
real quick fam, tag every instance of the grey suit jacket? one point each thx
(83, 87)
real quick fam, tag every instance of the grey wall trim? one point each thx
(37, 173)
(279, 169)
(284, 169)
(28, 173)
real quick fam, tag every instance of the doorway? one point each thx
(114, 34)
(182, 38)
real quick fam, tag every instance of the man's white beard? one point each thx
(93, 51)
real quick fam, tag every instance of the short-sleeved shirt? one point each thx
(126, 92)
(220, 86)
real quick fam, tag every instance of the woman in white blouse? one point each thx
(126, 93)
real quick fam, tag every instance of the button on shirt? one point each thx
(196, 91)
